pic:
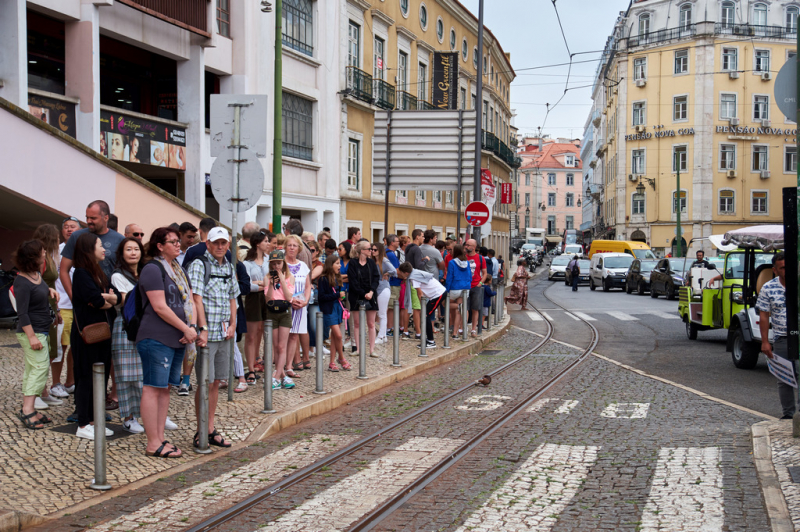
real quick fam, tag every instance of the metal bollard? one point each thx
(495, 303)
(396, 335)
(423, 327)
(202, 386)
(99, 407)
(268, 368)
(231, 378)
(446, 344)
(501, 300)
(362, 341)
(320, 356)
(464, 324)
(488, 317)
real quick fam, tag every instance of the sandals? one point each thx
(160, 453)
(297, 367)
(250, 377)
(292, 374)
(212, 439)
(345, 365)
(307, 364)
(259, 366)
(111, 404)
(33, 424)
(241, 387)
(333, 367)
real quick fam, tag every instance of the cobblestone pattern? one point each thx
(784, 455)
(49, 471)
(622, 481)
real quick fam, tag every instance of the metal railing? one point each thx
(383, 94)
(653, 37)
(490, 142)
(422, 105)
(406, 101)
(188, 14)
(754, 30)
(359, 84)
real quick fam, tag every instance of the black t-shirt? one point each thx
(414, 256)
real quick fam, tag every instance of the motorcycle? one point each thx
(8, 316)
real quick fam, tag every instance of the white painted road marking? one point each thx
(339, 506)
(573, 316)
(621, 315)
(566, 407)
(203, 500)
(584, 316)
(663, 315)
(484, 402)
(534, 316)
(537, 492)
(686, 491)
(626, 410)
(546, 315)
(539, 404)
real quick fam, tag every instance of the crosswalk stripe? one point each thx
(546, 315)
(584, 316)
(539, 404)
(534, 316)
(336, 508)
(573, 316)
(663, 315)
(686, 491)
(621, 315)
(566, 407)
(536, 492)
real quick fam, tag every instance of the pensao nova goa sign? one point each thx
(731, 130)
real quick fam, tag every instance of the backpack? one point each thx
(134, 307)
(207, 271)
(575, 268)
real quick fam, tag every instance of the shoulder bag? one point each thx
(94, 333)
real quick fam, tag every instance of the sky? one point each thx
(529, 31)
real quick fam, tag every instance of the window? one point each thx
(569, 160)
(675, 202)
(760, 158)
(759, 202)
(762, 61)
(551, 179)
(730, 58)
(570, 199)
(644, 24)
(298, 27)
(639, 68)
(401, 197)
(680, 106)
(378, 59)
(685, 17)
(422, 82)
(440, 29)
(790, 159)
(679, 156)
(570, 222)
(448, 197)
(485, 114)
(419, 198)
(551, 199)
(423, 16)
(638, 114)
(354, 45)
(464, 49)
(760, 15)
(452, 39)
(527, 198)
(527, 180)
(727, 156)
(463, 99)
(402, 71)
(551, 225)
(224, 17)
(637, 203)
(791, 19)
(727, 106)
(404, 7)
(760, 107)
(681, 61)
(728, 14)
(637, 162)
(296, 115)
(726, 199)
(437, 197)
(484, 65)
(475, 57)
(352, 165)
(570, 180)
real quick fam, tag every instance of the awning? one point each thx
(554, 239)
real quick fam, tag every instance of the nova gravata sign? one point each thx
(445, 79)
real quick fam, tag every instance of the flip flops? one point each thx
(160, 453)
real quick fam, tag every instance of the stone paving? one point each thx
(47, 471)
(785, 454)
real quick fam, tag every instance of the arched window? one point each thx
(791, 18)
(404, 7)
(644, 24)
(440, 29)
(728, 14)
(685, 16)
(760, 15)
(452, 39)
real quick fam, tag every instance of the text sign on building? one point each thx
(138, 140)
(506, 193)
(489, 190)
(445, 80)
(786, 89)
(477, 213)
(57, 113)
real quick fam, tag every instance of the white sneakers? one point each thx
(38, 404)
(59, 390)
(132, 426)
(52, 401)
(87, 432)
(170, 425)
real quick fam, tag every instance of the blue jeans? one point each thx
(161, 365)
(575, 283)
(312, 324)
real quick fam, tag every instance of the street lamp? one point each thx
(640, 188)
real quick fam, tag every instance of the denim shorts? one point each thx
(335, 317)
(161, 365)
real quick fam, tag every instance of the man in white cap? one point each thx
(215, 291)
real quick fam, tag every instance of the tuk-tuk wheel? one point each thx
(691, 330)
(744, 354)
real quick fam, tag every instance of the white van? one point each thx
(609, 270)
(573, 249)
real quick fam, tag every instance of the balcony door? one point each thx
(379, 59)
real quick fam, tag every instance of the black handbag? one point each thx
(277, 306)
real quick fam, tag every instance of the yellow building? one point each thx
(696, 96)
(389, 65)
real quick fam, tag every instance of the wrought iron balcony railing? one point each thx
(406, 101)
(383, 94)
(359, 84)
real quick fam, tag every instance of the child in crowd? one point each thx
(488, 294)
(330, 296)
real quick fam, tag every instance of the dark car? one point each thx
(583, 277)
(638, 277)
(667, 277)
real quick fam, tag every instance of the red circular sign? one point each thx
(477, 213)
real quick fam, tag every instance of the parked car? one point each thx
(557, 268)
(638, 277)
(583, 277)
(667, 277)
(608, 270)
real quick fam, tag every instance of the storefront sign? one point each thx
(57, 113)
(646, 135)
(506, 193)
(744, 130)
(445, 79)
(137, 140)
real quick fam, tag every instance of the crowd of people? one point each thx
(73, 284)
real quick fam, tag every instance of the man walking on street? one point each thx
(574, 270)
(771, 305)
(479, 276)
(215, 305)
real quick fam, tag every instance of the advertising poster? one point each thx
(60, 115)
(445, 80)
(137, 140)
(488, 190)
(506, 193)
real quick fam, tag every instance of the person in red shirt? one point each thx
(479, 276)
(353, 235)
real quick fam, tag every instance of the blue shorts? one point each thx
(335, 317)
(161, 365)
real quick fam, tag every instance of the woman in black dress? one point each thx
(363, 276)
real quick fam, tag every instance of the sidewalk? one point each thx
(776, 451)
(47, 472)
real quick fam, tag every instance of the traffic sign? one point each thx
(251, 180)
(476, 213)
(786, 89)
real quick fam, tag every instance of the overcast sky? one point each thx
(529, 31)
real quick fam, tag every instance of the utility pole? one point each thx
(678, 207)
(476, 231)
(277, 148)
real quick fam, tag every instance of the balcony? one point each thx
(383, 94)
(752, 30)
(654, 37)
(406, 101)
(490, 142)
(422, 105)
(359, 84)
(190, 15)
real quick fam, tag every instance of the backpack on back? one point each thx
(133, 309)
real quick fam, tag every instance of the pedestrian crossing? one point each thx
(556, 315)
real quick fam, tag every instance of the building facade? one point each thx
(387, 53)
(688, 92)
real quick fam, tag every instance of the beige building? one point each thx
(388, 64)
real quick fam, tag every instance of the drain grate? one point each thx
(490, 352)
(794, 472)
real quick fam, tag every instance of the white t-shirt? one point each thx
(63, 299)
(122, 284)
(431, 289)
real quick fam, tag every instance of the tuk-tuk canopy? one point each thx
(763, 237)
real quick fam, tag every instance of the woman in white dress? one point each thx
(302, 294)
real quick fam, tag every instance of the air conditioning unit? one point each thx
(638, 129)
(633, 177)
(766, 76)
(764, 174)
(731, 173)
(733, 74)
(737, 30)
(641, 82)
(734, 121)
(766, 123)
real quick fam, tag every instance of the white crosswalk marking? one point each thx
(539, 404)
(534, 316)
(626, 410)
(546, 315)
(566, 407)
(621, 315)
(686, 491)
(484, 402)
(573, 316)
(584, 316)
(537, 492)
(339, 506)
(663, 315)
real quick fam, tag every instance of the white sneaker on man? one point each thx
(87, 432)
(52, 401)
(325, 350)
(59, 391)
(70, 389)
(170, 425)
(38, 404)
(132, 426)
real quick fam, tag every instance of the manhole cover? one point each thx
(490, 352)
(794, 471)
(70, 428)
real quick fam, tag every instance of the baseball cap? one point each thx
(451, 236)
(218, 233)
(277, 255)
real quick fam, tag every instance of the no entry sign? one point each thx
(476, 213)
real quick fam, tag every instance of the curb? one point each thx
(774, 500)
(12, 520)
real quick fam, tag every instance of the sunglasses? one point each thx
(70, 219)
(373, 249)
(138, 234)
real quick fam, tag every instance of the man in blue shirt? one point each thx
(392, 243)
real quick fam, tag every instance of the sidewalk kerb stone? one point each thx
(774, 500)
